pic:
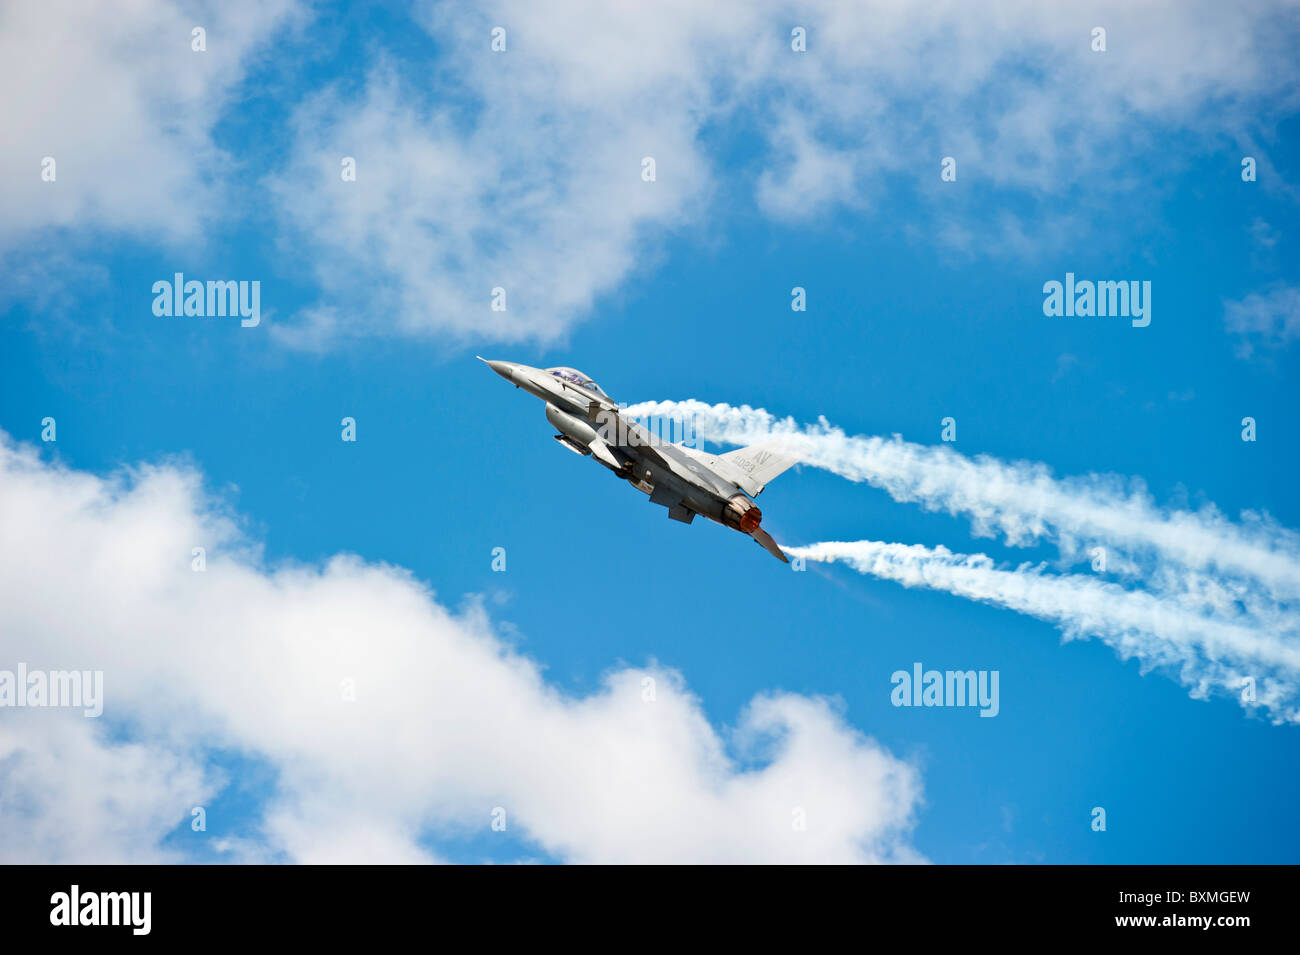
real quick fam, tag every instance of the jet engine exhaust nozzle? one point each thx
(742, 514)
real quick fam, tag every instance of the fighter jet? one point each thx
(684, 480)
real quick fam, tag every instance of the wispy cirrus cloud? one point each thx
(521, 169)
(1264, 321)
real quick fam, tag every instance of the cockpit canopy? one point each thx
(578, 378)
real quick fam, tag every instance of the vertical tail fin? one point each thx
(758, 465)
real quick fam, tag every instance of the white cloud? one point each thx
(809, 174)
(69, 794)
(522, 169)
(543, 199)
(117, 97)
(526, 175)
(1269, 320)
(448, 721)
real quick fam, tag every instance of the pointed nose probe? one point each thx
(503, 368)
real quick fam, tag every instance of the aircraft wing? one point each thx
(621, 432)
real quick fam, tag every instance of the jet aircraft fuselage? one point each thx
(685, 480)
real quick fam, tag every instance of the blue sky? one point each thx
(924, 301)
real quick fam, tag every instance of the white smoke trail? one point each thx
(1206, 652)
(1218, 601)
(1020, 500)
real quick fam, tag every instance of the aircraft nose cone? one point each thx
(503, 368)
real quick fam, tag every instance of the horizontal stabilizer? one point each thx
(765, 541)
